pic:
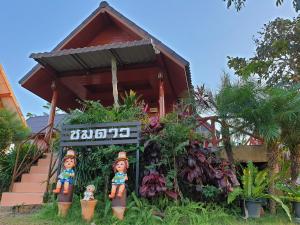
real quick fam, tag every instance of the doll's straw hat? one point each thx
(70, 154)
(121, 156)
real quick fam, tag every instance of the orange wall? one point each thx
(7, 97)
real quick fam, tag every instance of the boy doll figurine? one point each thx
(67, 175)
(89, 193)
(120, 167)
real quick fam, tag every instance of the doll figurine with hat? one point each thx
(120, 167)
(66, 177)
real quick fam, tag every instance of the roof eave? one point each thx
(105, 7)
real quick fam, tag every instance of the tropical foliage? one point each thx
(7, 162)
(12, 130)
(94, 163)
(277, 58)
(239, 4)
(291, 191)
(254, 184)
(206, 169)
(254, 187)
(175, 162)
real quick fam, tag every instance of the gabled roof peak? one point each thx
(103, 4)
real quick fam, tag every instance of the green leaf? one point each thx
(285, 208)
(234, 194)
(261, 177)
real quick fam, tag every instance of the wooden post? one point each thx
(114, 81)
(15, 169)
(49, 130)
(214, 135)
(162, 110)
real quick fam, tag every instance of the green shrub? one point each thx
(254, 187)
(95, 163)
(7, 162)
(141, 212)
(12, 130)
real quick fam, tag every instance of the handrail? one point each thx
(27, 161)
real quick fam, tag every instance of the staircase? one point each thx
(31, 189)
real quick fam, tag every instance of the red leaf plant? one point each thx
(153, 184)
(206, 169)
(153, 127)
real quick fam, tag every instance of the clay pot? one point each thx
(63, 208)
(88, 209)
(118, 212)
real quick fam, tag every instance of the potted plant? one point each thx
(291, 192)
(254, 191)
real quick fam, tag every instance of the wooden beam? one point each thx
(122, 68)
(108, 95)
(49, 130)
(162, 106)
(162, 64)
(77, 88)
(52, 72)
(114, 82)
(106, 77)
(4, 95)
(83, 65)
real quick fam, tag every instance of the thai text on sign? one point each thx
(99, 133)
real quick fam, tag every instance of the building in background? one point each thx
(7, 97)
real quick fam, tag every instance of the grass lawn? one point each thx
(36, 220)
(188, 214)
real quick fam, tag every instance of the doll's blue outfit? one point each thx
(119, 178)
(66, 176)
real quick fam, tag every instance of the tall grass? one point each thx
(141, 212)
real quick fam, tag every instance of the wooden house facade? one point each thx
(108, 46)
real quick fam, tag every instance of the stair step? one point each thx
(44, 161)
(47, 154)
(39, 169)
(21, 187)
(14, 199)
(30, 190)
(34, 178)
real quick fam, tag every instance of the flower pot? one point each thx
(63, 208)
(119, 212)
(88, 209)
(296, 206)
(254, 208)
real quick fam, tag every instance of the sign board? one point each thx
(101, 134)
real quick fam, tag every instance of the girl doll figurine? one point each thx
(120, 167)
(67, 175)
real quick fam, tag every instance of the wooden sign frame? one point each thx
(102, 134)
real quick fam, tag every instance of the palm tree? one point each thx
(287, 103)
(205, 102)
(250, 108)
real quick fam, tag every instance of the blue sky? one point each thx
(203, 32)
